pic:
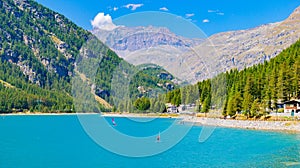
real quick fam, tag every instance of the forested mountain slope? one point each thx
(253, 91)
(261, 87)
(38, 54)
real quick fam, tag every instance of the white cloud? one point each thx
(205, 21)
(212, 11)
(115, 8)
(103, 22)
(112, 8)
(216, 11)
(164, 9)
(188, 15)
(133, 6)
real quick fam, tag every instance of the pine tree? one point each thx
(206, 105)
(254, 108)
(247, 98)
(282, 82)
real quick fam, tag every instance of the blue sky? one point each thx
(211, 16)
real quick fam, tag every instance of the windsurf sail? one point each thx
(158, 137)
(113, 121)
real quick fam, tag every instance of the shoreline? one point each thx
(104, 114)
(274, 126)
(142, 115)
(279, 126)
(43, 114)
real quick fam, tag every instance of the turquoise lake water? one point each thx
(60, 141)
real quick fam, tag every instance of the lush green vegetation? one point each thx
(142, 104)
(253, 91)
(39, 51)
(19, 95)
(145, 81)
(258, 88)
(26, 41)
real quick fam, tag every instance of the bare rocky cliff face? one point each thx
(197, 59)
(245, 48)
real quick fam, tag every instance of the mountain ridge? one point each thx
(142, 37)
(221, 52)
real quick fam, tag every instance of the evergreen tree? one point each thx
(247, 98)
(255, 109)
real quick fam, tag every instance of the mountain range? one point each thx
(198, 59)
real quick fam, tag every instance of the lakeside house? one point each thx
(292, 106)
(171, 109)
(183, 108)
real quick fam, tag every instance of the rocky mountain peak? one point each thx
(233, 49)
(136, 38)
(295, 16)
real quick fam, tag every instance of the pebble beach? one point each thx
(285, 126)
